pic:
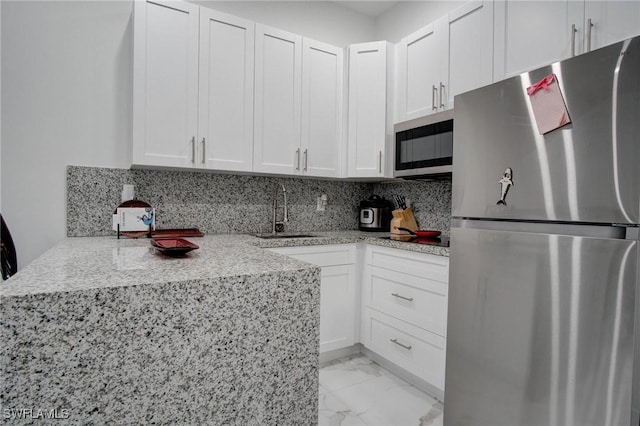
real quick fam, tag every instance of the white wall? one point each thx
(321, 20)
(409, 16)
(66, 99)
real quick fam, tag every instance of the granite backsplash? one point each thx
(225, 203)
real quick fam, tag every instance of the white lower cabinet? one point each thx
(404, 310)
(394, 302)
(339, 301)
(412, 348)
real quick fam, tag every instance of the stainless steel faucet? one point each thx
(278, 226)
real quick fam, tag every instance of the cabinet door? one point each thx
(277, 101)
(226, 92)
(530, 34)
(165, 95)
(322, 99)
(420, 71)
(367, 109)
(337, 307)
(469, 63)
(338, 297)
(611, 21)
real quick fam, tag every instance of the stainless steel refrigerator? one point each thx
(543, 320)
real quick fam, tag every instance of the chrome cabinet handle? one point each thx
(203, 152)
(400, 344)
(410, 299)
(298, 159)
(589, 25)
(433, 97)
(380, 162)
(441, 92)
(573, 39)
(193, 150)
(305, 161)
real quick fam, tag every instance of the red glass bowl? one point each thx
(173, 246)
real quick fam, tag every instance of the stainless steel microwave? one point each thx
(424, 146)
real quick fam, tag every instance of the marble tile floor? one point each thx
(357, 391)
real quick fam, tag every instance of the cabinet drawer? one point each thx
(416, 300)
(329, 255)
(418, 264)
(417, 351)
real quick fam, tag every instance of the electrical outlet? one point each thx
(320, 205)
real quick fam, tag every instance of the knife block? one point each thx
(403, 219)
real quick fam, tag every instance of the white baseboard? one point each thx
(327, 357)
(416, 381)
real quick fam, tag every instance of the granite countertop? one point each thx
(81, 263)
(95, 262)
(346, 237)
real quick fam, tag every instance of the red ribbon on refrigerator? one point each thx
(542, 84)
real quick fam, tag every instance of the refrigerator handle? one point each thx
(573, 40)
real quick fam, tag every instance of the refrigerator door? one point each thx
(586, 171)
(540, 329)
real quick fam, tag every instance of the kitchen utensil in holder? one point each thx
(403, 219)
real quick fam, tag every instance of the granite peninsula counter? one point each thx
(106, 331)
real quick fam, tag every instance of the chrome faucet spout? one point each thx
(285, 209)
(278, 226)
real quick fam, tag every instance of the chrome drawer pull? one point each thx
(410, 299)
(400, 344)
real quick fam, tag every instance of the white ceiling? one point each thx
(369, 8)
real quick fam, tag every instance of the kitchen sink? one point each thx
(279, 236)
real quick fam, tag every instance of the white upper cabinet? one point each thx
(193, 87)
(531, 34)
(165, 95)
(298, 105)
(368, 115)
(448, 57)
(469, 63)
(607, 22)
(420, 71)
(278, 87)
(225, 124)
(322, 109)
(218, 92)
